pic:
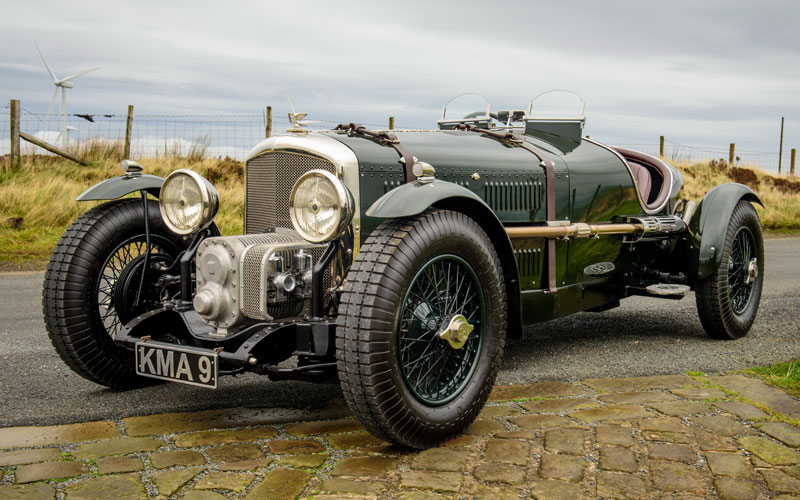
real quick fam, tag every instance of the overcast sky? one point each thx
(700, 72)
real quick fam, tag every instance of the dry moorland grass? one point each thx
(37, 200)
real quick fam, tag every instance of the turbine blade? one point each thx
(55, 79)
(76, 75)
(50, 109)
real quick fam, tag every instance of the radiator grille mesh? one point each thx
(269, 180)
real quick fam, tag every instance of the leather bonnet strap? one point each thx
(385, 138)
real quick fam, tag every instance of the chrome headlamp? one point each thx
(188, 202)
(320, 206)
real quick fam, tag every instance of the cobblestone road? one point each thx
(675, 437)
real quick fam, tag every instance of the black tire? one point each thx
(374, 377)
(726, 303)
(78, 295)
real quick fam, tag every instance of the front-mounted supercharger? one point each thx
(396, 263)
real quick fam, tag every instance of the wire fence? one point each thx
(234, 135)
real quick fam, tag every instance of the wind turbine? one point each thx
(64, 84)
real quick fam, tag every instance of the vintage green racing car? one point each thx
(394, 262)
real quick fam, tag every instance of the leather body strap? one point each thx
(386, 139)
(514, 140)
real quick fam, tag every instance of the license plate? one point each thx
(183, 364)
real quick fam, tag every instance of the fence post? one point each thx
(391, 123)
(268, 131)
(14, 112)
(661, 147)
(780, 151)
(128, 126)
(731, 154)
(794, 153)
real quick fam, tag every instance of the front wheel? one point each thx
(92, 283)
(421, 328)
(727, 301)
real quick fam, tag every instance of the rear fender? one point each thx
(414, 198)
(117, 187)
(709, 226)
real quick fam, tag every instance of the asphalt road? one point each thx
(642, 337)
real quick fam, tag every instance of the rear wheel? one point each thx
(421, 328)
(727, 301)
(92, 283)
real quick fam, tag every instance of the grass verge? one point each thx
(783, 375)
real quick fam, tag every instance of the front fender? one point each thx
(117, 187)
(414, 198)
(709, 226)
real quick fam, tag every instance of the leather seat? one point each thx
(643, 180)
(652, 177)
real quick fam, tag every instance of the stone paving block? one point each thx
(681, 408)
(497, 411)
(358, 439)
(418, 495)
(21, 457)
(668, 437)
(786, 433)
(628, 384)
(672, 452)
(780, 481)
(564, 467)
(124, 487)
(757, 462)
(38, 491)
(203, 495)
(728, 464)
(664, 424)
(120, 446)
(230, 481)
(500, 473)
(171, 423)
(632, 398)
(170, 481)
(114, 465)
(722, 425)
(620, 485)
(699, 393)
(526, 434)
(483, 427)
(290, 446)
(461, 442)
(364, 466)
(614, 434)
(246, 465)
(610, 413)
(49, 470)
(538, 390)
(674, 476)
(564, 441)
(304, 461)
(494, 493)
(541, 421)
(234, 452)
(559, 405)
(164, 459)
(326, 427)
(711, 442)
(741, 410)
(732, 488)
(24, 437)
(618, 459)
(204, 438)
(554, 489)
(760, 392)
(280, 484)
(507, 451)
(347, 486)
(770, 451)
(431, 480)
(441, 459)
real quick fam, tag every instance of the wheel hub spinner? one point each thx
(752, 271)
(456, 332)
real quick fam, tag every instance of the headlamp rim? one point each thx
(209, 200)
(344, 197)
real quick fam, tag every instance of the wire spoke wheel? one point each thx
(740, 285)
(433, 370)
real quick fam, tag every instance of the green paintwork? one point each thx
(117, 187)
(709, 227)
(414, 197)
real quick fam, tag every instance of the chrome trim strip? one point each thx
(646, 210)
